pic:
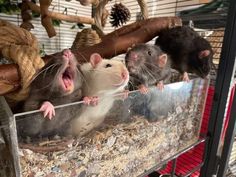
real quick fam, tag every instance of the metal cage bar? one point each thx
(228, 141)
(223, 81)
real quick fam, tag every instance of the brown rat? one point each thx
(148, 65)
(189, 52)
(103, 78)
(58, 82)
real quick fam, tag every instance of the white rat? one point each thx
(104, 78)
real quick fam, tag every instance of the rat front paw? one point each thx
(160, 85)
(143, 89)
(91, 100)
(185, 77)
(125, 94)
(48, 110)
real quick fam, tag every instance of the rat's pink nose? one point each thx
(67, 53)
(124, 74)
(133, 56)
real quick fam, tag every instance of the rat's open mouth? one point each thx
(68, 79)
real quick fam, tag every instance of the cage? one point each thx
(125, 139)
(144, 132)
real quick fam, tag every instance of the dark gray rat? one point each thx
(148, 65)
(58, 82)
(189, 52)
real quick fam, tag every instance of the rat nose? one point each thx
(67, 54)
(124, 74)
(133, 56)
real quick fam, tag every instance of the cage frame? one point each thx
(222, 88)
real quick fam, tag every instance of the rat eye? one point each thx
(149, 52)
(108, 65)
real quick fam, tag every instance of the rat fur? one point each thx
(58, 82)
(189, 52)
(103, 78)
(148, 65)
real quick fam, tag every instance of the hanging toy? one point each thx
(119, 15)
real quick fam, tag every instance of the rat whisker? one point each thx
(153, 65)
(53, 67)
(131, 84)
(82, 76)
(149, 72)
(41, 72)
(44, 87)
(83, 57)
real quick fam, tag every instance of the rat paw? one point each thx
(160, 85)
(143, 89)
(91, 100)
(87, 100)
(125, 94)
(48, 110)
(94, 101)
(185, 77)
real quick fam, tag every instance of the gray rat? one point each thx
(148, 65)
(189, 52)
(103, 78)
(58, 82)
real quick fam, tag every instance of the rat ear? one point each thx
(162, 60)
(204, 53)
(95, 58)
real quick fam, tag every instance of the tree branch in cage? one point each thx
(46, 20)
(46, 15)
(59, 146)
(112, 44)
(120, 40)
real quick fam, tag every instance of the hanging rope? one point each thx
(21, 47)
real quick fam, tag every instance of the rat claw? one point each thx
(94, 101)
(49, 115)
(185, 77)
(53, 112)
(125, 94)
(87, 100)
(45, 113)
(160, 85)
(143, 89)
(48, 110)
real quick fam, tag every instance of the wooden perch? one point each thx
(112, 44)
(60, 16)
(46, 20)
(9, 78)
(120, 40)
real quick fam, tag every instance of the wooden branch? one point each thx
(60, 16)
(112, 44)
(144, 8)
(9, 78)
(98, 13)
(26, 16)
(45, 18)
(43, 149)
(88, 2)
(120, 40)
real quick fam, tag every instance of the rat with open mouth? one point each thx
(58, 82)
